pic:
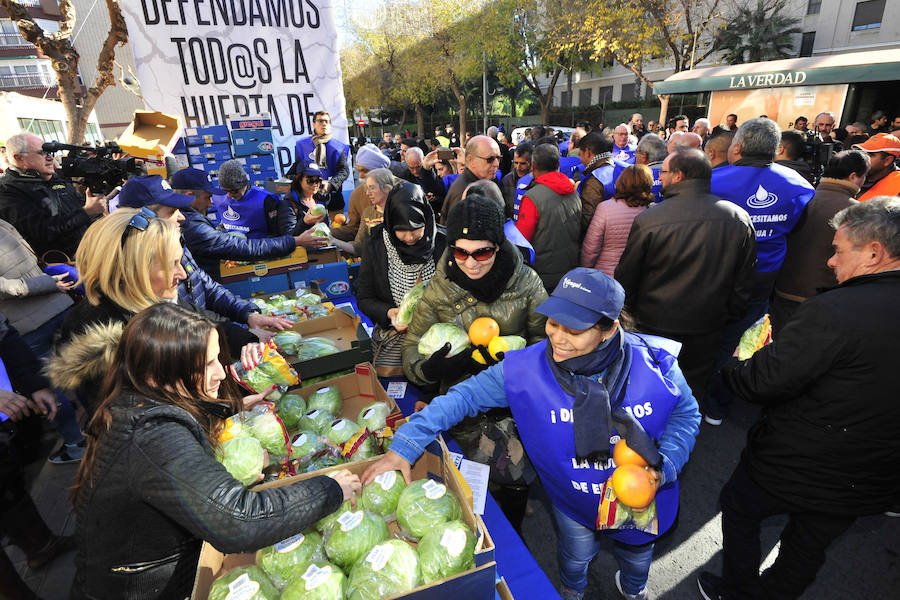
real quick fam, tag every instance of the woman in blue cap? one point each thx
(572, 397)
(294, 214)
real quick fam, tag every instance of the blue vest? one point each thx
(607, 175)
(657, 184)
(571, 167)
(521, 188)
(774, 196)
(625, 155)
(543, 415)
(517, 239)
(306, 150)
(247, 215)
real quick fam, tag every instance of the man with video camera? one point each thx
(44, 208)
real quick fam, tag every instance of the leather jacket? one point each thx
(157, 492)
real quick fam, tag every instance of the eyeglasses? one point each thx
(481, 255)
(45, 153)
(323, 121)
(139, 221)
(490, 159)
(312, 180)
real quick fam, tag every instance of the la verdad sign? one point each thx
(212, 61)
(767, 79)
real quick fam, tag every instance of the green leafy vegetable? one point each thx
(314, 347)
(320, 230)
(341, 430)
(327, 523)
(381, 496)
(263, 376)
(243, 457)
(441, 333)
(446, 550)
(306, 443)
(291, 408)
(389, 568)
(320, 581)
(408, 304)
(328, 399)
(264, 426)
(353, 535)
(425, 504)
(373, 416)
(289, 558)
(244, 582)
(317, 420)
(288, 341)
(318, 210)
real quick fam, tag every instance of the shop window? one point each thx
(868, 15)
(806, 44)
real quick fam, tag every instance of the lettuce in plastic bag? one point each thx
(341, 430)
(243, 582)
(320, 230)
(408, 304)
(365, 450)
(353, 535)
(265, 427)
(316, 420)
(243, 457)
(327, 523)
(320, 581)
(324, 461)
(289, 558)
(291, 408)
(328, 399)
(441, 333)
(308, 298)
(374, 416)
(288, 341)
(306, 443)
(758, 335)
(388, 569)
(315, 347)
(446, 550)
(381, 496)
(424, 505)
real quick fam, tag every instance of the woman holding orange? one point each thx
(572, 397)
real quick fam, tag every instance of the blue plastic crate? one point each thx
(209, 153)
(247, 142)
(211, 134)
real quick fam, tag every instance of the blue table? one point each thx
(514, 562)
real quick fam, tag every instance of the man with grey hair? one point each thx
(415, 172)
(651, 151)
(824, 128)
(45, 209)
(823, 450)
(702, 128)
(482, 162)
(622, 150)
(775, 198)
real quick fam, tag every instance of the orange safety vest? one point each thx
(889, 185)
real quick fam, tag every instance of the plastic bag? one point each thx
(271, 370)
(409, 303)
(389, 568)
(757, 336)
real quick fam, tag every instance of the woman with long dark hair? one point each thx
(149, 490)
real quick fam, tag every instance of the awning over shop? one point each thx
(877, 65)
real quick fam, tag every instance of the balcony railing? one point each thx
(29, 80)
(13, 40)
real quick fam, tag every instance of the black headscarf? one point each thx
(405, 210)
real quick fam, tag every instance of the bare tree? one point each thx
(58, 48)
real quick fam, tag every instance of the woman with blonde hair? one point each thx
(127, 261)
(604, 241)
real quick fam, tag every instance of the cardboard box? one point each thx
(359, 389)
(298, 259)
(503, 590)
(255, 286)
(332, 279)
(247, 142)
(211, 134)
(293, 292)
(343, 328)
(150, 135)
(209, 153)
(475, 584)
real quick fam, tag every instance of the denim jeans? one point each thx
(578, 545)
(40, 341)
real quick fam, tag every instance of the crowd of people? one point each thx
(631, 259)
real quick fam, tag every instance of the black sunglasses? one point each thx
(481, 255)
(313, 180)
(139, 221)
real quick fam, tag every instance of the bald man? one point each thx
(622, 150)
(482, 161)
(717, 149)
(682, 139)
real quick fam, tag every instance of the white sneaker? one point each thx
(641, 595)
(712, 421)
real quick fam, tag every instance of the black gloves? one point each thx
(488, 359)
(439, 367)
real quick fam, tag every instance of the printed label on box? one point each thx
(396, 389)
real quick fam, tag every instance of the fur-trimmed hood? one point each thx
(86, 357)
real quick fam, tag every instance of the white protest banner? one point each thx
(209, 61)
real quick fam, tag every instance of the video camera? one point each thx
(817, 154)
(95, 166)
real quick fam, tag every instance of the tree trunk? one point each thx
(569, 103)
(420, 121)
(403, 112)
(512, 107)
(462, 119)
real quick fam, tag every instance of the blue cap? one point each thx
(145, 190)
(582, 297)
(308, 168)
(195, 179)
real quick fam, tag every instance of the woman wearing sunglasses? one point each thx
(149, 490)
(127, 261)
(573, 397)
(399, 253)
(294, 211)
(481, 275)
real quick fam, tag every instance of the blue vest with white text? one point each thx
(775, 198)
(657, 184)
(247, 215)
(521, 188)
(305, 149)
(625, 155)
(543, 414)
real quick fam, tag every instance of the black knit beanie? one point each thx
(475, 218)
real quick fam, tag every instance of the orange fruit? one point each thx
(633, 486)
(483, 330)
(623, 455)
(340, 219)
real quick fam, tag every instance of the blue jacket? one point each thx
(200, 290)
(209, 245)
(487, 390)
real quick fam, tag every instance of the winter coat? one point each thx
(688, 265)
(591, 192)
(804, 269)
(22, 366)
(373, 294)
(446, 302)
(28, 297)
(290, 215)
(358, 203)
(607, 234)
(203, 291)
(209, 245)
(47, 213)
(157, 492)
(454, 194)
(827, 435)
(557, 237)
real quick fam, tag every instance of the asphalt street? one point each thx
(864, 563)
